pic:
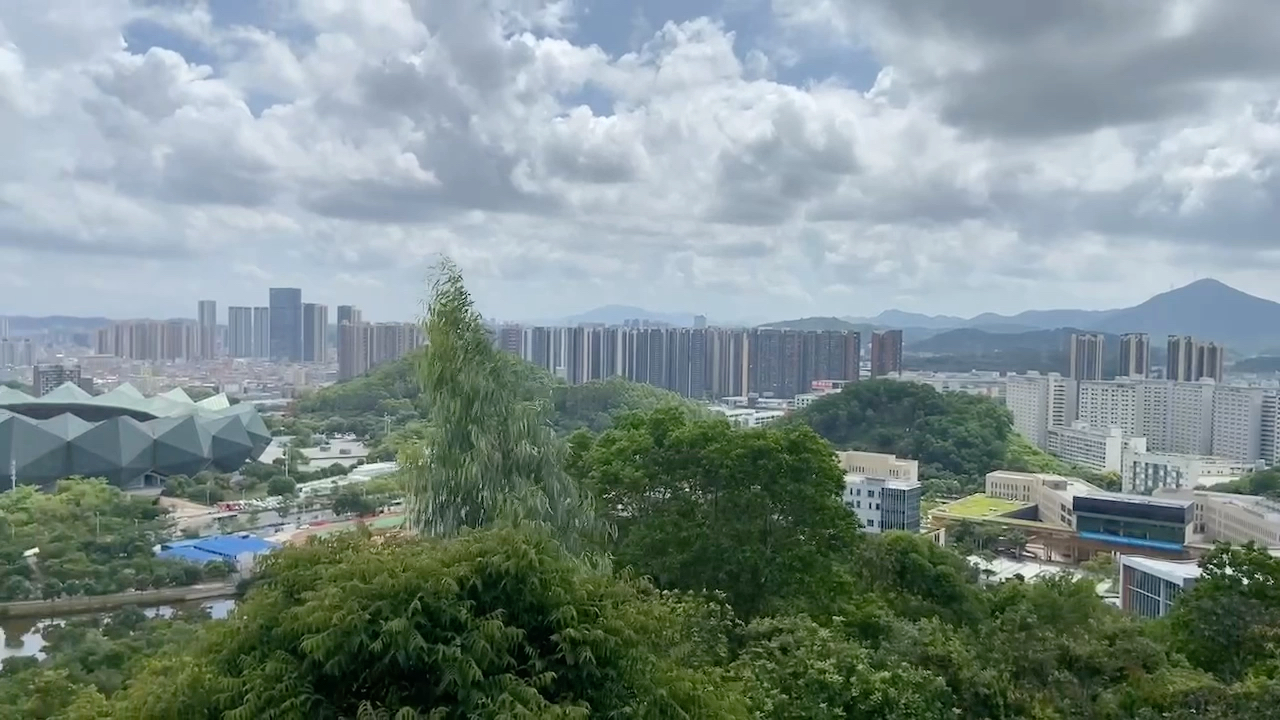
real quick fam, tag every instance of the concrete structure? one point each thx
(240, 332)
(1099, 449)
(1086, 356)
(1226, 517)
(1135, 355)
(746, 417)
(880, 465)
(122, 436)
(262, 332)
(1143, 473)
(47, 378)
(285, 333)
(364, 346)
(882, 490)
(1149, 586)
(1039, 402)
(1111, 519)
(315, 332)
(1189, 361)
(1269, 430)
(1237, 422)
(17, 352)
(1190, 419)
(206, 329)
(886, 353)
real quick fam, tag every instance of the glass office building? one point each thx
(1149, 587)
(1134, 520)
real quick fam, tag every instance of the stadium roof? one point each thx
(126, 397)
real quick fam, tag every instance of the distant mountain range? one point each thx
(1206, 309)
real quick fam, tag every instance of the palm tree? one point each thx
(489, 456)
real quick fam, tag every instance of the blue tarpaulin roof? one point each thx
(218, 547)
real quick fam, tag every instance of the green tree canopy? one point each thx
(953, 435)
(1229, 622)
(489, 455)
(700, 505)
(494, 624)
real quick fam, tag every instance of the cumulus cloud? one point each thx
(1008, 154)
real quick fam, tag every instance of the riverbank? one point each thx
(99, 603)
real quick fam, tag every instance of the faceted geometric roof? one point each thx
(125, 397)
(122, 435)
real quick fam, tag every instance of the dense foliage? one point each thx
(956, 437)
(390, 397)
(501, 624)
(488, 455)
(86, 660)
(1264, 482)
(92, 539)
(701, 506)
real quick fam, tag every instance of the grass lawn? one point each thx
(979, 505)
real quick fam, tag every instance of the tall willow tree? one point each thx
(490, 455)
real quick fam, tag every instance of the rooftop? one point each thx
(1172, 570)
(217, 547)
(980, 505)
(124, 397)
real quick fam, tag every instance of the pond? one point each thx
(21, 636)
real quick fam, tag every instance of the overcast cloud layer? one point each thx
(750, 159)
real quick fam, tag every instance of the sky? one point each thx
(746, 159)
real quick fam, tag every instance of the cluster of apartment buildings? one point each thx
(701, 362)
(1186, 428)
(286, 330)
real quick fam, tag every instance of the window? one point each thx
(871, 493)
(871, 523)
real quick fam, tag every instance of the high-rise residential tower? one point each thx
(240, 332)
(1180, 359)
(1210, 361)
(886, 353)
(315, 332)
(262, 332)
(286, 324)
(1135, 355)
(348, 314)
(206, 329)
(1086, 356)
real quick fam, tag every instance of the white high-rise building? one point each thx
(1107, 404)
(1237, 422)
(1039, 402)
(1269, 442)
(1100, 449)
(1191, 418)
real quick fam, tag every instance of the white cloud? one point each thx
(1078, 153)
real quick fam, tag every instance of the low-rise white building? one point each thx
(1145, 472)
(1226, 517)
(749, 417)
(1149, 586)
(1100, 449)
(883, 490)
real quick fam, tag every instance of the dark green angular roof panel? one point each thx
(38, 454)
(65, 426)
(182, 445)
(259, 435)
(120, 449)
(231, 443)
(122, 436)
